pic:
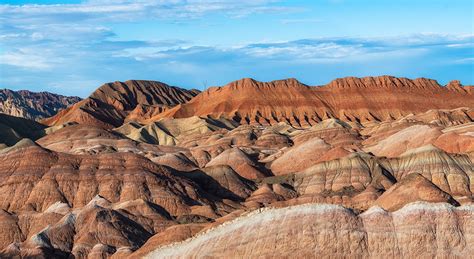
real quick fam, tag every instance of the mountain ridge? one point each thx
(33, 105)
(111, 103)
(350, 99)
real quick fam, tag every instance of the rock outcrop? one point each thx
(452, 173)
(75, 180)
(32, 105)
(170, 131)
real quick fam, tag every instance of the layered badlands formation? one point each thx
(113, 103)
(349, 99)
(255, 169)
(33, 105)
(305, 231)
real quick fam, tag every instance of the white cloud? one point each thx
(86, 45)
(135, 10)
(468, 60)
(318, 50)
(26, 59)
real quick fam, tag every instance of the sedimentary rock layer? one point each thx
(112, 103)
(416, 230)
(32, 105)
(350, 99)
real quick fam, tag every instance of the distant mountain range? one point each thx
(245, 101)
(33, 105)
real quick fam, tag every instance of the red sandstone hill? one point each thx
(112, 103)
(248, 101)
(349, 99)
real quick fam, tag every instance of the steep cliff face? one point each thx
(32, 105)
(416, 230)
(249, 101)
(112, 103)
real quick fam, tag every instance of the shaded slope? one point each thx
(13, 129)
(168, 131)
(113, 199)
(452, 173)
(248, 101)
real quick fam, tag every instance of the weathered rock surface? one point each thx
(170, 131)
(308, 153)
(411, 188)
(208, 178)
(171, 235)
(47, 177)
(416, 230)
(87, 139)
(240, 162)
(452, 173)
(111, 103)
(32, 105)
(408, 138)
(350, 99)
(113, 199)
(128, 179)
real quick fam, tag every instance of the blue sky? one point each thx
(72, 47)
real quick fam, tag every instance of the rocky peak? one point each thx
(111, 103)
(250, 83)
(455, 85)
(127, 95)
(383, 82)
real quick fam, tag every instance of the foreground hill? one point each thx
(112, 103)
(416, 230)
(31, 105)
(349, 99)
(56, 204)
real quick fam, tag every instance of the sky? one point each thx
(72, 47)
